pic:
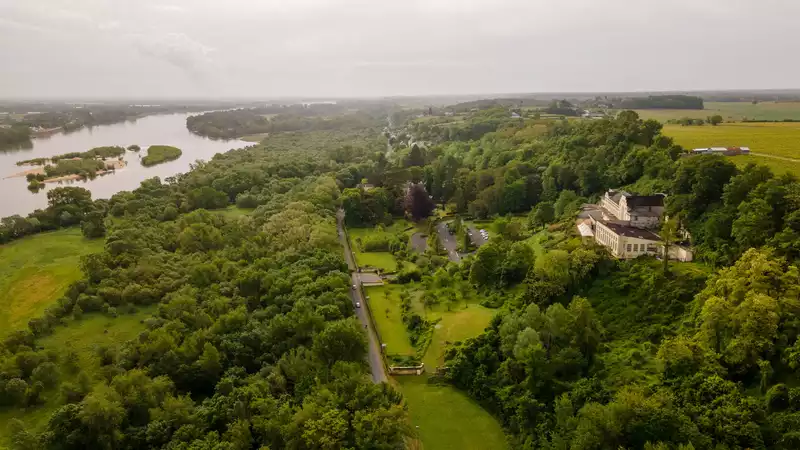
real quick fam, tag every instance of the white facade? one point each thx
(626, 247)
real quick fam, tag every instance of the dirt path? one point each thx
(782, 158)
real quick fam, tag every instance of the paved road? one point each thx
(449, 242)
(418, 242)
(374, 356)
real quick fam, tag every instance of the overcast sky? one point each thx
(277, 48)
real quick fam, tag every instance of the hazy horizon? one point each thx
(245, 49)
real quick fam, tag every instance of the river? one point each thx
(167, 129)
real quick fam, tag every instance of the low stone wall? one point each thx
(407, 370)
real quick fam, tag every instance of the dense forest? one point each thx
(242, 122)
(157, 154)
(252, 344)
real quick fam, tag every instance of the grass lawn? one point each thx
(457, 325)
(390, 324)
(234, 211)
(447, 419)
(36, 270)
(730, 111)
(779, 139)
(83, 337)
(381, 260)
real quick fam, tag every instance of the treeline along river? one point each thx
(168, 129)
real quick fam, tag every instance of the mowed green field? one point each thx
(778, 139)
(446, 419)
(730, 111)
(463, 322)
(384, 302)
(36, 270)
(83, 337)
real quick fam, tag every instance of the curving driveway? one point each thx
(449, 242)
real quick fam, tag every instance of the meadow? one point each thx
(384, 261)
(730, 111)
(36, 270)
(445, 418)
(463, 321)
(82, 337)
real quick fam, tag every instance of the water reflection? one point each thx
(19, 146)
(169, 129)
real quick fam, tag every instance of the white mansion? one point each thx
(625, 224)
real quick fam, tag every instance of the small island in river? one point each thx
(158, 154)
(72, 166)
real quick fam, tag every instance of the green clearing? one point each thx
(462, 323)
(82, 337)
(447, 419)
(778, 139)
(254, 137)
(233, 212)
(730, 111)
(466, 320)
(36, 270)
(380, 260)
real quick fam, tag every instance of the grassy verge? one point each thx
(36, 270)
(82, 337)
(445, 418)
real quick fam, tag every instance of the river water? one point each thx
(168, 129)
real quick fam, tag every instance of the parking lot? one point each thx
(476, 237)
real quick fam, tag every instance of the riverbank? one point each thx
(161, 129)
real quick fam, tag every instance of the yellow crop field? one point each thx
(730, 111)
(777, 139)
